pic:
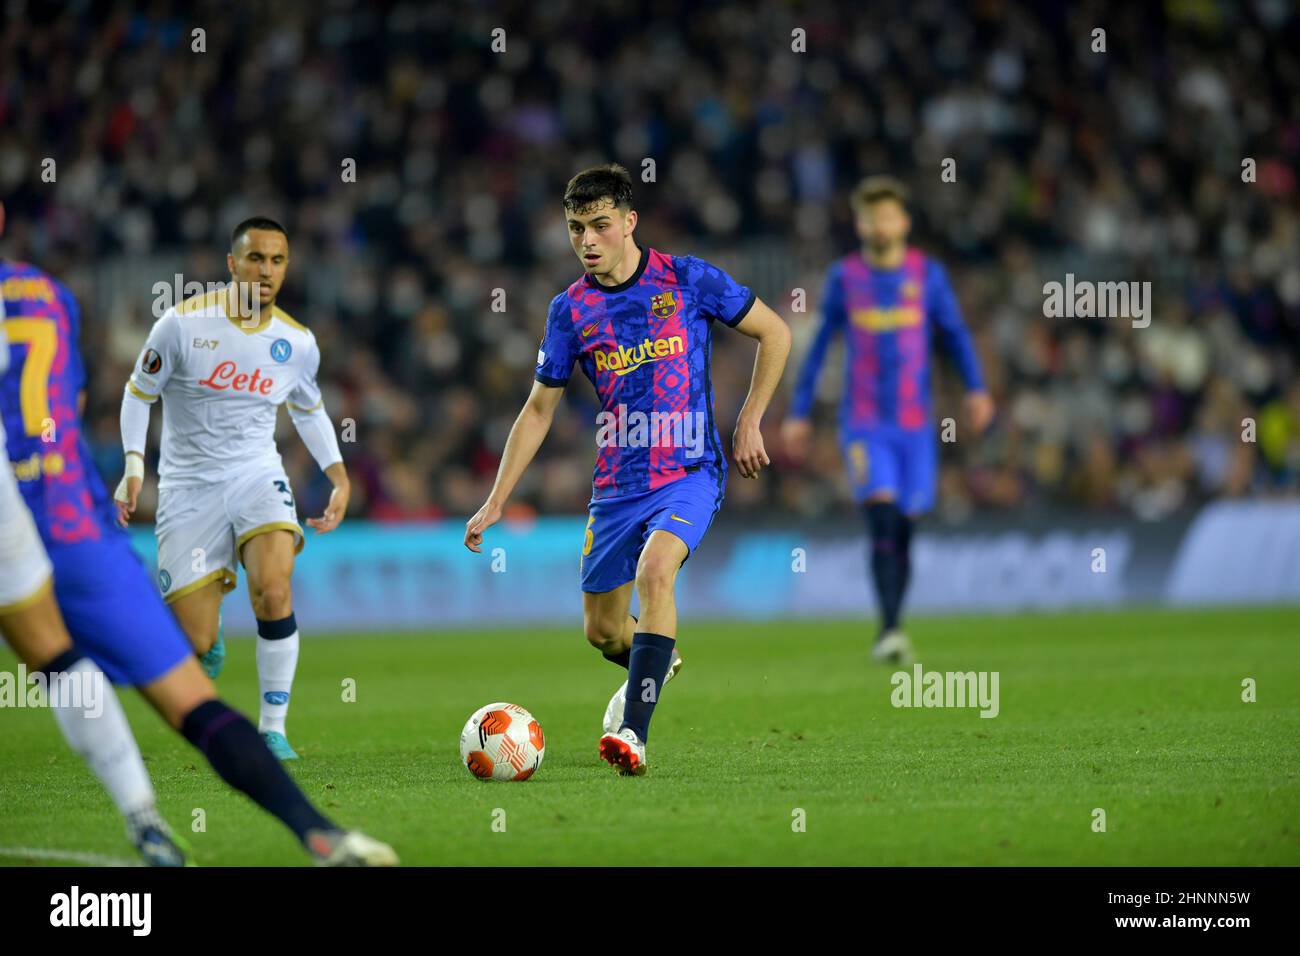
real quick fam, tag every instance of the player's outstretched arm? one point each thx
(773, 337)
(317, 433)
(526, 437)
(946, 314)
(135, 431)
(152, 371)
(796, 430)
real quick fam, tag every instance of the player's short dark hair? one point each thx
(257, 222)
(875, 188)
(609, 181)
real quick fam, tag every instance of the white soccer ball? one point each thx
(502, 742)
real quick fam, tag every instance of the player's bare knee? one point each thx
(603, 633)
(654, 578)
(271, 598)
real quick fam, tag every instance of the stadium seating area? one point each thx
(461, 154)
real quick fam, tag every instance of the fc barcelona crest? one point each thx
(911, 290)
(664, 305)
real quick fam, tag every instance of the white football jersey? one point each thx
(222, 385)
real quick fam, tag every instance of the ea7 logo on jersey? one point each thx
(150, 362)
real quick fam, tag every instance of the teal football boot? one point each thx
(278, 744)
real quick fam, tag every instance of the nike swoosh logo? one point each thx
(586, 333)
(682, 520)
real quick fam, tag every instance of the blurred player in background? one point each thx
(223, 364)
(640, 322)
(114, 615)
(888, 299)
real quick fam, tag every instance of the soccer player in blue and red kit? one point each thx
(639, 323)
(112, 610)
(889, 300)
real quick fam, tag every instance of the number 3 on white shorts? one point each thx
(283, 487)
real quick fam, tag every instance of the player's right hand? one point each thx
(487, 516)
(796, 436)
(126, 496)
(979, 409)
(128, 489)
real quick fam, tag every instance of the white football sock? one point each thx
(276, 662)
(96, 728)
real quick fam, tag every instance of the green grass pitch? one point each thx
(1139, 713)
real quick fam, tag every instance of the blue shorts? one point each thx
(902, 461)
(113, 610)
(618, 529)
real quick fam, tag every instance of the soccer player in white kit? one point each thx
(223, 363)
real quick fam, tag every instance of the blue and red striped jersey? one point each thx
(645, 346)
(888, 317)
(38, 402)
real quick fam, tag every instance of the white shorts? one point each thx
(25, 569)
(202, 529)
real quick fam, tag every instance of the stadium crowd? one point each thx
(1170, 158)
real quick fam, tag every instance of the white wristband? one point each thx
(134, 469)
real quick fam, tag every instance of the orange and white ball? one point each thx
(502, 742)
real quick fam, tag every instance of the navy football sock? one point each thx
(905, 558)
(883, 520)
(239, 756)
(651, 656)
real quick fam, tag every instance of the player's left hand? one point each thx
(747, 449)
(334, 511)
(979, 410)
(487, 516)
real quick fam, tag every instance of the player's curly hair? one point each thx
(875, 188)
(609, 181)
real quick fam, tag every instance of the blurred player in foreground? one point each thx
(888, 299)
(113, 613)
(640, 322)
(84, 704)
(223, 364)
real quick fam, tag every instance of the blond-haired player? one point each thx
(223, 363)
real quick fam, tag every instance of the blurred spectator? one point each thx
(427, 278)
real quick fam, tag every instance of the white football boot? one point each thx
(625, 751)
(348, 848)
(614, 709)
(893, 647)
